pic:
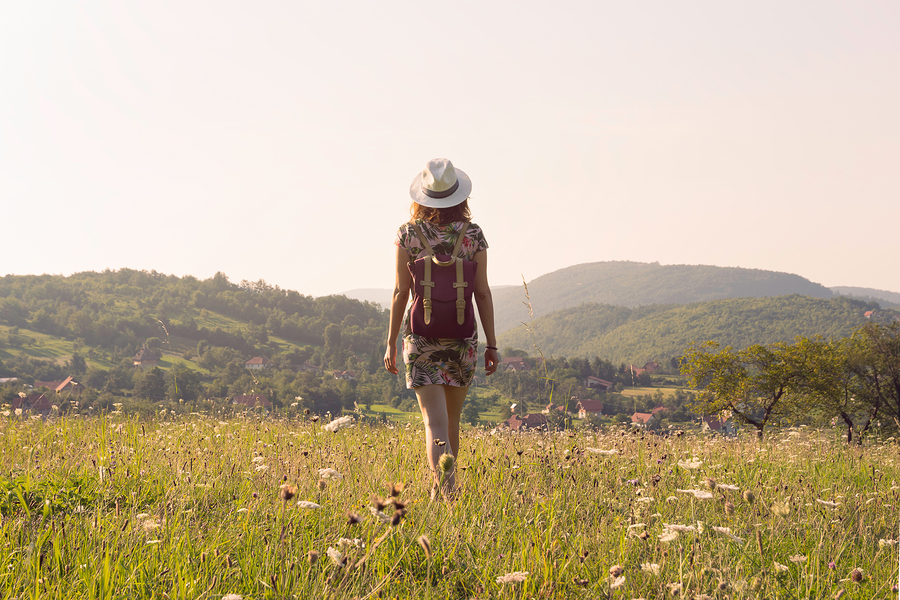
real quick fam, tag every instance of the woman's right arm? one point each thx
(402, 281)
(485, 302)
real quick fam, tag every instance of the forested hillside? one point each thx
(883, 297)
(634, 284)
(660, 332)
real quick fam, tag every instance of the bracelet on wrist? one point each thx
(490, 347)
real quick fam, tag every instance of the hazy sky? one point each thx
(277, 140)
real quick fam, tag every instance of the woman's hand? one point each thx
(491, 361)
(390, 358)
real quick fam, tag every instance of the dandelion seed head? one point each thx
(446, 462)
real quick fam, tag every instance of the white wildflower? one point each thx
(258, 459)
(780, 567)
(338, 423)
(307, 504)
(151, 542)
(335, 556)
(329, 474)
(355, 543)
(691, 464)
(232, 597)
(140, 516)
(674, 588)
(242, 510)
(382, 518)
(886, 543)
(698, 494)
(668, 535)
(514, 577)
(617, 582)
(726, 531)
(827, 503)
(612, 452)
(797, 558)
(730, 488)
(262, 468)
(651, 568)
(636, 525)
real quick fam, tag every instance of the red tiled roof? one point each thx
(592, 406)
(642, 418)
(258, 360)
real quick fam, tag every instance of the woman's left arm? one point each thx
(485, 302)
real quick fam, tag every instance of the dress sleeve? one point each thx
(474, 241)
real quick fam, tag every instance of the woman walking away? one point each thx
(442, 259)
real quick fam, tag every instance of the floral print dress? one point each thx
(439, 361)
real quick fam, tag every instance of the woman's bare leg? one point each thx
(441, 407)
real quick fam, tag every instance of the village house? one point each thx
(643, 419)
(68, 385)
(525, 422)
(345, 375)
(716, 425)
(251, 401)
(596, 383)
(307, 366)
(36, 404)
(257, 363)
(145, 358)
(515, 363)
(589, 408)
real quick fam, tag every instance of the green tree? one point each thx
(151, 385)
(874, 363)
(470, 413)
(758, 385)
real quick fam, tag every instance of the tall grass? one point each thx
(189, 507)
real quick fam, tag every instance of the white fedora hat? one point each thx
(440, 185)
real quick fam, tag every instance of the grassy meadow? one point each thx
(192, 507)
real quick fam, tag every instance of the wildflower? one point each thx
(426, 545)
(886, 543)
(321, 484)
(150, 524)
(395, 490)
(338, 423)
(602, 452)
(232, 597)
(397, 517)
(710, 483)
(312, 556)
(831, 565)
(241, 510)
(691, 464)
(307, 504)
(347, 543)
(674, 588)
(730, 488)
(780, 568)
(828, 504)
(617, 582)
(327, 473)
(797, 558)
(514, 577)
(336, 557)
(729, 508)
(262, 468)
(151, 542)
(668, 535)
(616, 571)
(698, 494)
(749, 496)
(287, 491)
(382, 518)
(446, 463)
(353, 518)
(856, 575)
(651, 568)
(782, 509)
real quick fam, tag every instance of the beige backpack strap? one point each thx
(461, 283)
(427, 283)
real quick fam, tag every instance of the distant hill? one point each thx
(634, 284)
(882, 297)
(660, 332)
(379, 296)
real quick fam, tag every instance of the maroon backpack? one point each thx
(442, 292)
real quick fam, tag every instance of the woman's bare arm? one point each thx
(485, 302)
(399, 298)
